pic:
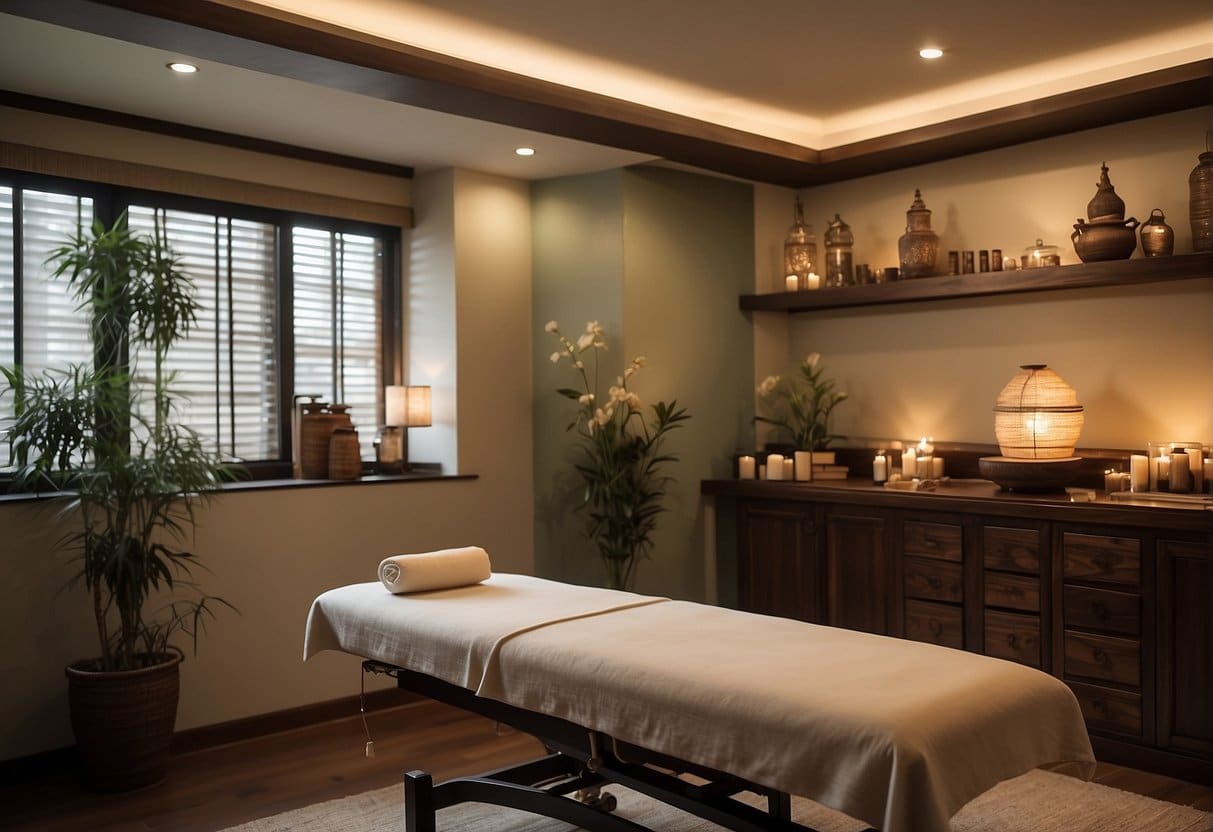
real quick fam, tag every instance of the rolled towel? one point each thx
(444, 569)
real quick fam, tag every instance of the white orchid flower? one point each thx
(768, 385)
(633, 401)
(629, 372)
(555, 357)
(550, 326)
(640, 361)
(585, 340)
(586, 398)
(579, 365)
(811, 360)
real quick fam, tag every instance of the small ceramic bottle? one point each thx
(1157, 238)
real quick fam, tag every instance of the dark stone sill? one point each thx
(422, 472)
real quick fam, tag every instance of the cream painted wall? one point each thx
(1140, 357)
(119, 143)
(271, 552)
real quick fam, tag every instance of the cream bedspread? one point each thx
(896, 733)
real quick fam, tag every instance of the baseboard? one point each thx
(44, 763)
(1180, 766)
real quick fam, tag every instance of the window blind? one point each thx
(8, 312)
(338, 295)
(225, 371)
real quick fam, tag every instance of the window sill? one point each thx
(422, 472)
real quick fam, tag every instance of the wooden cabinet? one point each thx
(779, 568)
(857, 570)
(1117, 602)
(1185, 646)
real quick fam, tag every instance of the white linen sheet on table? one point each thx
(896, 733)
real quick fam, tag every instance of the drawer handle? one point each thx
(1102, 559)
(1100, 656)
(935, 627)
(1099, 705)
(1100, 610)
(934, 583)
(1012, 641)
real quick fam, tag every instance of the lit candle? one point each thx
(1114, 481)
(1139, 472)
(813, 282)
(909, 467)
(774, 466)
(762, 472)
(791, 283)
(880, 468)
(745, 467)
(1164, 473)
(1195, 469)
(926, 446)
(789, 469)
(937, 467)
(1153, 462)
(1206, 470)
(1179, 471)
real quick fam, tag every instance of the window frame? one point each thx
(109, 201)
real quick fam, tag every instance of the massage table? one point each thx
(696, 704)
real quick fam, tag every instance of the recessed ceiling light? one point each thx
(182, 67)
(525, 151)
(931, 53)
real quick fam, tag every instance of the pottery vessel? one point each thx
(1111, 240)
(1200, 204)
(1157, 238)
(918, 248)
(1105, 206)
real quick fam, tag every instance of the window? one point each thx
(289, 304)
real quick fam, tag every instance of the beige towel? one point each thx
(443, 569)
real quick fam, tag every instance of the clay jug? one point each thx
(345, 458)
(1157, 238)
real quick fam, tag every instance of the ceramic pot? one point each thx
(918, 248)
(1200, 199)
(1157, 238)
(345, 457)
(1113, 240)
(1105, 206)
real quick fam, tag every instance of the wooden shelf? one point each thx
(1080, 276)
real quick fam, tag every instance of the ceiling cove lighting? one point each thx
(525, 151)
(182, 67)
(930, 52)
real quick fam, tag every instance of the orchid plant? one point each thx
(802, 406)
(621, 456)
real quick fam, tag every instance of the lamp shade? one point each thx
(418, 409)
(395, 405)
(1037, 415)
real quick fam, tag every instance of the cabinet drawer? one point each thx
(1017, 592)
(1102, 609)
(1013, 636)
(934, 623)
(1103, 657)
(932, 540)
(932, 580)
(1111, 710)
(1012, 550)
(1097, 558)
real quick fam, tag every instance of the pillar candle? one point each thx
(880, 469)
(1206, 470)
(909, 468)
(762, 472)
(936, 467)
(774, 466)
(791, 283)
(924, 466)
(1153, 473)
(1179, 472)
(1164, 473)
(1195, 469)
(745, 468)
(789, 468)
(813, 281)
(1139, 472)
(804, 465)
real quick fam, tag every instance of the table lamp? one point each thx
(404, 407)
(1037, 420)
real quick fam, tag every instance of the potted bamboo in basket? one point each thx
(127, 478)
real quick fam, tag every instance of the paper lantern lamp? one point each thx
(1037, 421)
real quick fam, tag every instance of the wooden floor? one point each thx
(218, 787)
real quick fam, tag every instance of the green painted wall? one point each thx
(659, 257)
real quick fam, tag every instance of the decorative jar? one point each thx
(1040, 254)
(1157, 238)
(1105, 206)
(800, 249)
(839, 257)
(1200, 205)
(918, 248)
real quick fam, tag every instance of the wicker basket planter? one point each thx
(123, 721)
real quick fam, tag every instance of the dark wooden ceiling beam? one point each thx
(237, 33)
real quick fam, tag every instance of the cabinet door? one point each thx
(779, 570)
(1185, 646)
(857, 563)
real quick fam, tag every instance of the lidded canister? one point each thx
(840, 243)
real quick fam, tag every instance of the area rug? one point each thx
(1039, 801)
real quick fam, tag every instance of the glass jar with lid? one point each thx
(800, 249)
(1039, 255)
(840, 243)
